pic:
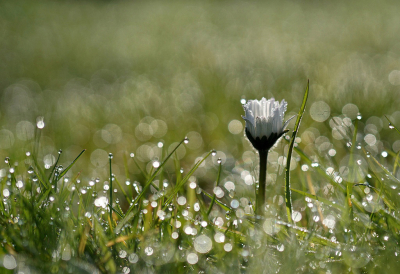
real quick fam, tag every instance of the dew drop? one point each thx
(181, 170)
(280, 247)
(213, 152)
(132, 155)
(28, 153)
(9, 262)
(348, 144)
(314, 164)
(160, 144)
(40, 122)
(133, 258)
(174, 235)
(60, 151)
(243, 101)
(156, 164)
(202, 244)
(110, 156)
(219, 160)
(122, 254)
(192, 258)
(228, 247)
(186, 140)
(391, 126)
(296, 216)
(148, 251)
(359, 116)
(384, 154)
(7, 160)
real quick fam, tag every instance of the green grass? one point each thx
(133, 78)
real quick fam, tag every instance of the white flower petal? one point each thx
(264, 117)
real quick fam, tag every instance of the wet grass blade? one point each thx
(54, 167)
(218, 202)
(317, 198)
(184, 180)
(319, 169)
(213, 198)
(70, 165)
(150, 180)
(392, 126)
(288, 197)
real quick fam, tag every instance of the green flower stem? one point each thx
(260, 195)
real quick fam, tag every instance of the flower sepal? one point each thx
(264, 143)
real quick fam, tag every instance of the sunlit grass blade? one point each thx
(214, 196)
(150, 180)
(122, 190)
(184, 180)
(124, 221)
(54, 166)
(62, 173)
(288, 197)
(218, 202)
(321, 171)
(317, 198)
(391, 126)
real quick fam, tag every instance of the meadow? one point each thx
(124, 144)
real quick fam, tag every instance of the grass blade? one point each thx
(70, 165)
(184, 180)
(150, 180)
(213, 198)
(288, 197)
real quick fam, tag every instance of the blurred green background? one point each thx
(122, 76)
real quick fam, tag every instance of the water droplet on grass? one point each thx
(280, 247)
(9, 262)
(359, 116)
(296, 216)
(219, 160)
(202, 244)
(192, 258)
(122, 254)
(228, 247)
(391, 126)
(186, 140)
(132, 155)
(213, 152)
(7, 160)
(181, 200)
(156, 164)
(6, 192)
(148, 251)
(110, 156)
(19, 184)
(133, 258)
(40, 122)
